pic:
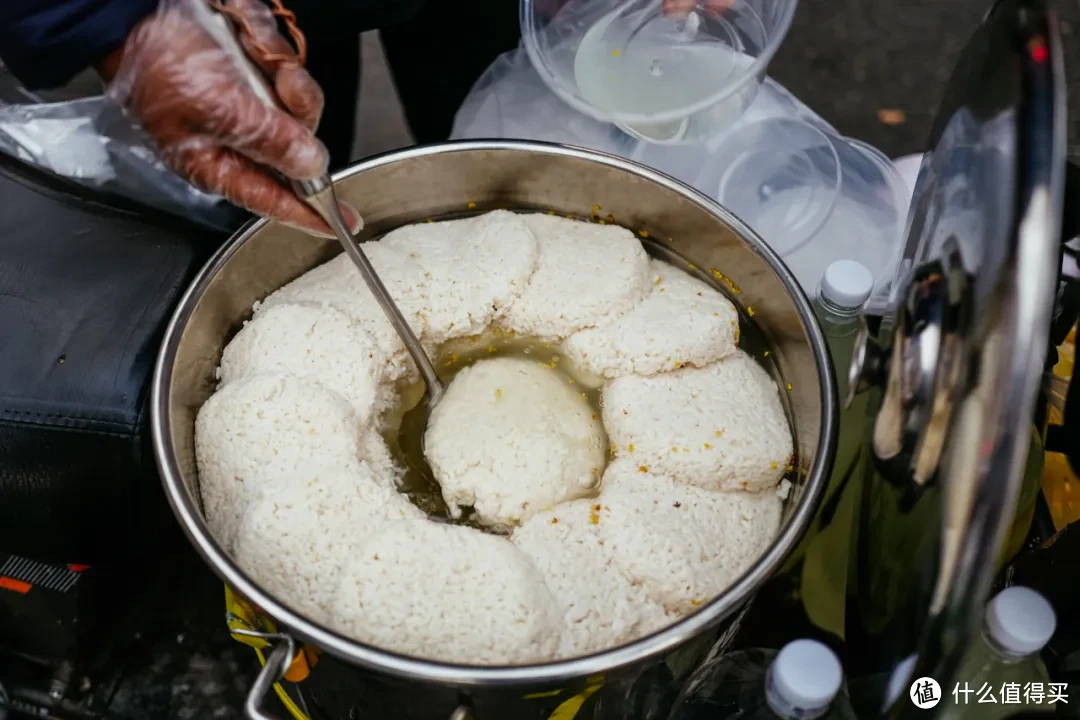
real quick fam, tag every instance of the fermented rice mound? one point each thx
(296, 540)
(512, 437)
(474, 269)
(259, 432)
(339, 284)
(311, 342)
(720, 427)
(682, 322)
(684, 545)
(601, 607)
(448, 593)
(585, 275)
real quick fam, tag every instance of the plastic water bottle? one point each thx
(844, 288)
(842, 292)
(1003, 659)
(801, 682)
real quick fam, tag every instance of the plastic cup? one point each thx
(815, 197)
(781, 175)
(660, 77)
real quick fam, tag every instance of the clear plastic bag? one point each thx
(861, 217)
(510, 100)
(91, 142)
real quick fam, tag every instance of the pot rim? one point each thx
(417, 669)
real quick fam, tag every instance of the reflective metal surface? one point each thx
(441, 181)
(868, 364)
(924, 370)
(965, 353)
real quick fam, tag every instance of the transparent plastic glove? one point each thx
(181, 86)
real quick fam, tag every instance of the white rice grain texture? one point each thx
(474, 268)
(339, 284)
(510, 438)
(684, 545)
(312, 342)
(375, 453)
(720, 427)
(296, 540)
(682, 322)
(257, 433)
(601, 607)
(586, 275)
(448, 593)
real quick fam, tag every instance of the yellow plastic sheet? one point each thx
(1060, 485)
(569, 709)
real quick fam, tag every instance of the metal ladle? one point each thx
(319, 195)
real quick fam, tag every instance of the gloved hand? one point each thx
(181, 86)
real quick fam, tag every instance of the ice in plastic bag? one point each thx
(91, 142)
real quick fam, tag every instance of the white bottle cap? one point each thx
(899, 680)
(806, 675)
(1020, 620)
(847, 284)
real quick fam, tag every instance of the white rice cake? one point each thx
(586, 275)
(720, 427)
(601, 607)
(474, 268)
(296, 540)
(257, 433)
(512, 437)
(447, 593)
(311, 342)
(684, 545)
(339, 284)
(682, 322)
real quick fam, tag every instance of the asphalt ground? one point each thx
(877, 69)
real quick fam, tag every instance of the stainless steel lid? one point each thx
(958, 366)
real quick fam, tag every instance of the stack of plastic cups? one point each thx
(814, 196)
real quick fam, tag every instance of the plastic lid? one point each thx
(899, 679)
(781, 176)
(1020, 620)
(806, 675)
(847, 284)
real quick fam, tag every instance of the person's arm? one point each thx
(47, 42)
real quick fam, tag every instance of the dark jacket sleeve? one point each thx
(47, 42)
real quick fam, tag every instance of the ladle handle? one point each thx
(319, 194)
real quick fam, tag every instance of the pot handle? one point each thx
(274, 669)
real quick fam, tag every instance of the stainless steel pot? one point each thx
(437, 181)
